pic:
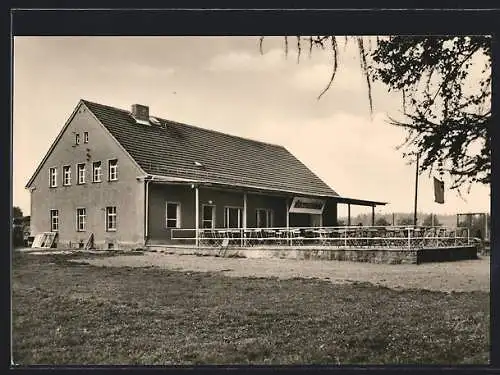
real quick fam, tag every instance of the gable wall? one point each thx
(127, 194)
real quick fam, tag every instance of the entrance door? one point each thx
(232, 217)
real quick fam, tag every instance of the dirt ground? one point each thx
(468, 275)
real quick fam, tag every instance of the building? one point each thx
(128, 178)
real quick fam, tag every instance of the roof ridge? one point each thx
(192, 126)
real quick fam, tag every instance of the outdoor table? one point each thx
(269, 236)
(336, 236)
(322, 236)
(257, 236)
(282, 235)
(374, 236)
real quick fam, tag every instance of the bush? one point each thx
(18, 236)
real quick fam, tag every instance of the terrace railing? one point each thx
(341, 237)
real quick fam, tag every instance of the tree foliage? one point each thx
(17, 212)
(445, 86)
(382, 222)
(428, 221)
(406, 220)
(447, 105)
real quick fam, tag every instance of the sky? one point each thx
(225, 84)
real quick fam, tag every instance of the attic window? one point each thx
(142, 122)
(155, 121)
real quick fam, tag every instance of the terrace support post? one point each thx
(416, 193)
(348, 214)
(373, 216)
(345, 236)
(242, 232)
(409, 239)
(288, 221)
(485, 226)
(197, 214)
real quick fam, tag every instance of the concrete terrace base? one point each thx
(374, 255)
(447, 254)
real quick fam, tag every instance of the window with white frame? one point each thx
(54, 220)
(208, 217)
(113, 170)
(232, 217)
(86, 137)
(96, 171)
(264, 218)
(53, 177)
(77, 138)
(173, 215)
(81, 173)
(67, 175)
(81, 219)
(111, 219)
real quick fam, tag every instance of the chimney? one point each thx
(140, 112)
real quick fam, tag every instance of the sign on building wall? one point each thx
(307, 206)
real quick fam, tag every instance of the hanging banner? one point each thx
(438, 191)
(307, 206)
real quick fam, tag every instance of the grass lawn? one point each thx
(70, 313)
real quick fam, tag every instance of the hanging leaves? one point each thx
(445, 119)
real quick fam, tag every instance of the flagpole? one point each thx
(416, 193)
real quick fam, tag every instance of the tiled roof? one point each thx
(171, 150)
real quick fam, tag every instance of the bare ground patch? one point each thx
(460, 276)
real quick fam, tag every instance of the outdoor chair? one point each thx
(270, 236)
(296, 237)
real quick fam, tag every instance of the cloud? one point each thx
(237, 61)
(355, 156)
(137, 69)
(316, 77)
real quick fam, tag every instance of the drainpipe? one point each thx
(147, 179)
(243, 231)
(288, 221)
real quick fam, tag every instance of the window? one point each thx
(208, 217)
(86, 137)
(264, 218)
(113, 170)
(81, 219)
(53, 177)
(110, 219)
(232, 217)
(81, 173)
(96, 171)
(54, 220)
(173, 215)
(77, 138)
(67, 175)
